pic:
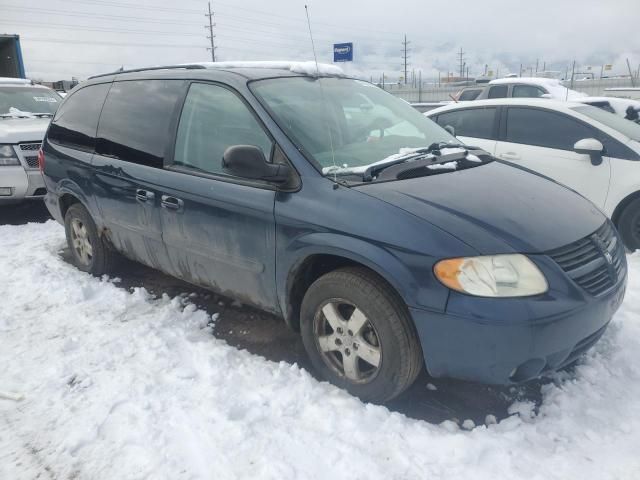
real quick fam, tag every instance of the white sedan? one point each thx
(590, 150)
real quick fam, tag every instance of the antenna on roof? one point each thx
(313, 46)
(324, 103)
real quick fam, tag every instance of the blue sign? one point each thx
(343, 52)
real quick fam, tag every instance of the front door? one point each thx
(219, 230)
(542, 140)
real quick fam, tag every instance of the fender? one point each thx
(68, 186)
(380, 260)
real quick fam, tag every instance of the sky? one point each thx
(63, 39)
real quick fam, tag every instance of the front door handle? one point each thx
(171, 203)
(144, 195)
(509, 156)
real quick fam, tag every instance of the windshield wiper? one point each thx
(432, 150)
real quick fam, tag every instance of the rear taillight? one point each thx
(41, 160)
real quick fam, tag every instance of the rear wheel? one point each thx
(629, 225)
(359, 336)
(89, 251)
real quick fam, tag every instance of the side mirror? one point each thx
(450, 129)
(546, 95)
(247, 161)
(591, 147)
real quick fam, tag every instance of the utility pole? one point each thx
(461, 61)
(405, 57)
(211, 36)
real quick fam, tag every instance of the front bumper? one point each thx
(505, 341)
(24, 184)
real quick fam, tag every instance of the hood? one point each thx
(17, 130)
(495, 208)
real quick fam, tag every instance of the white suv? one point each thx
(25, 113)
(590, 150)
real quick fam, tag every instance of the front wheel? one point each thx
(629, 225)
(359, 336)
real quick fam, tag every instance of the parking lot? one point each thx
(162, 383)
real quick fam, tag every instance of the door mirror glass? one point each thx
(546, 95)
(591, 147)
(247, 161)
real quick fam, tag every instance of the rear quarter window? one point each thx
(74, 124)
(135, 125)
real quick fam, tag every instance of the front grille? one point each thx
(594, 262)
(30, 159)
(30, 147)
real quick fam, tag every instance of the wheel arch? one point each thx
(615, 217)
(312, 263)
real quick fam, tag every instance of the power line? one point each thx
(158, 45)
(211, 35)
(98, 28)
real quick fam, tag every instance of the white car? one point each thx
(528, 87)
(611, 104)
(590, 150)
(25, 113)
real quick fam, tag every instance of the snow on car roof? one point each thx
(543, 82)
(15, 81)
(305, 68)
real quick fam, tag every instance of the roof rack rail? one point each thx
(145, 69)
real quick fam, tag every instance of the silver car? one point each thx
(25, 113)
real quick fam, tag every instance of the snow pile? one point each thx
(120, 385)
(305, 68)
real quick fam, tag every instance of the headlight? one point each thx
(8, 156)
(492, 276)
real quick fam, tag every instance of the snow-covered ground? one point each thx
(120, 385)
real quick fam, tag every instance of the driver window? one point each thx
(213, 119)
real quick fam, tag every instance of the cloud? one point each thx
(62, 39)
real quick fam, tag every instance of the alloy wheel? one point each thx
(81, 242)
(347, 341)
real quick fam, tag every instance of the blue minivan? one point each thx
(325, 200)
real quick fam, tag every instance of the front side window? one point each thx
(214, 119)
(15, 99)
(136, 118)
(544, 128)
(76, 121)
(472, 122)
(527, 91)
(345, 123)
(498, 91)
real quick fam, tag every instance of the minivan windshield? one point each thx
(20, 101)
(344, 124)
(611, 120)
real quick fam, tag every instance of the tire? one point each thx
(351, 315)
(629, 225)
(89, 251)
